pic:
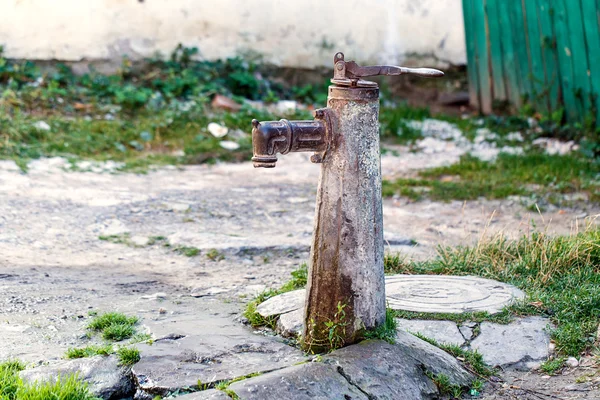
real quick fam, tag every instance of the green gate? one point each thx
(543, 53)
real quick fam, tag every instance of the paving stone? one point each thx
(466, 332)
(168, 365)
(433, 358)
(311, 381)
(105, 377)
(383, 371)
(290, 324)
(448, 294)
(521, 345)
(211, 394)
(441, 331)
(282, 303)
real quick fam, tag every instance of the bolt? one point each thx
(340, 66)
(316, 158)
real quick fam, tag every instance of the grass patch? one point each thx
(561, 276)
(298, 281)
(114, 326)
(532, 174)
(553, 366)
(141, 117)
(89, 351)
(387, 331)
(187, 251)
(12, 387)
(128, 355)
(215, 255)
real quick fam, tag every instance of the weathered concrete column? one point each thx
(346, 287)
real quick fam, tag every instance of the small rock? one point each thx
(177, 207)
(162, 310)
(140, 241)
(202, 292)
(572, 362)
(286, 106)
(297, 200)
(229, 145)
(42, 126)
(217, 130)
(155, 296)
(282, 304)
(290, 324)
(578, 387)
(225, 103)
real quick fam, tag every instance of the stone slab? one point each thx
(105, 377)
(433, 358)
(521, 345)
(282, 303)
(448, 294)
(290, 324)
(383, 371)
(168, 365)
(422, 293)
(441, 331)
(311, 381)
(211, 394)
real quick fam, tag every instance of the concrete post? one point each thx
(346, 288)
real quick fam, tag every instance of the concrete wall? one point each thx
(301, 33)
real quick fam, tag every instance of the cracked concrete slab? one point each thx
(311, 381)
(168, 365)
(441, 331)
(522, 345)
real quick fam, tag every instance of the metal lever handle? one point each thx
(349, 73)
(353, 70)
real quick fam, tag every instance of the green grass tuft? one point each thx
(128, 355)
(114, 326)
(387, 331)
(553, 366)
(89, 351)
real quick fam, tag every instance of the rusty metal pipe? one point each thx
(283, 136)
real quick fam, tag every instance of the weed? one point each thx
(336, 328)
(89, 351)
(560, 275)
(187, 251)
(114, 326)
(128, 355)
(215, 255)
(387, 331)
(445, 386)
(552, 366)
(298, 281)
(119, 239)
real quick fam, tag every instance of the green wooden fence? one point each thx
(543, 53)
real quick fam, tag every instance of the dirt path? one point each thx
(54, 268)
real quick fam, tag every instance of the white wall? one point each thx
(302, 33)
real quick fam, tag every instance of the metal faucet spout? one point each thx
(272, 137)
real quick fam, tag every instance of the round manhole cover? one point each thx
(448, 294)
